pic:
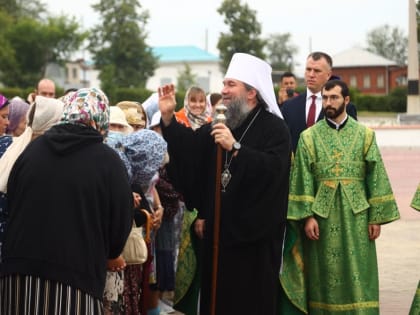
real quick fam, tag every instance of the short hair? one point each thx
(214, 98)
(333, 83)
(287, 74)
(316, 55)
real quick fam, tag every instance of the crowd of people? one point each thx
(273, 209)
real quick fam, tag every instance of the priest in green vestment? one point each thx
(339, 197)
(415, 203)
(415, 306)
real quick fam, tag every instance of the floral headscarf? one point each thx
(143, 153)
(85, 106)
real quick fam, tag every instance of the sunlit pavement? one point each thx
(398, 247)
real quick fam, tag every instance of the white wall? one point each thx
(171, 71)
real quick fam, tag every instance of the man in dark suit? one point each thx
(303, 110)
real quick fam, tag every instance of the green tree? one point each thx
(388, 42)
(244, 32)
(281, 51)
(24, 8)
(32, 44)
(118, 45)
(185, 79)
(7, 53)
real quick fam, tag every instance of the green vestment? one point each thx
(415, 203)
(187, 277)
(339, 178)
(415, 306)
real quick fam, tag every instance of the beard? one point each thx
(333, 113)
(236, 112)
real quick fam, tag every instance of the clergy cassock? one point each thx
(339, 178)
(415, 306)
(253, 208)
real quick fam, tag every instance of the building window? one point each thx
(401, 80)
(380, 81)
(353, 81)
(366, 81)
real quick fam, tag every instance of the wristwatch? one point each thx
(236, 146)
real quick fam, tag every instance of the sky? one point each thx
(331, 26)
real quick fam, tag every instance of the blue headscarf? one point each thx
(143, 153)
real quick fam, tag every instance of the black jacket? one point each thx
(70, 208)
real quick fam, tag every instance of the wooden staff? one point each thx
(220, 118)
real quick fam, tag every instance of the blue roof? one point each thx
(182, 53)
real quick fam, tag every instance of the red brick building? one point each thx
(369, 73)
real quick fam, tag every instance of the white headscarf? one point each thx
(151, 106)
(47, 113)
(257, 73)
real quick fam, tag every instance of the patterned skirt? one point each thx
(20, 294)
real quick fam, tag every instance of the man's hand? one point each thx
(374, 231)
(167, 102)
(312, 229)
(223, 136)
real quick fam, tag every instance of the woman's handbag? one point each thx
(135, 249)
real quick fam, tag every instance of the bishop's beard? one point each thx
(236, 112)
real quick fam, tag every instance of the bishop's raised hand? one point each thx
(167, 102)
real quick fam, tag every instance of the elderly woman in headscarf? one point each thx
(143, 153)
(71, 210)
(5, 140)
(195, 113)
(43, 114)
(134, 113)
(17, 117)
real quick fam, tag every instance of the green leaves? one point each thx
(244, 32)
(118, 44)
(389, 43)
(29, 44)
